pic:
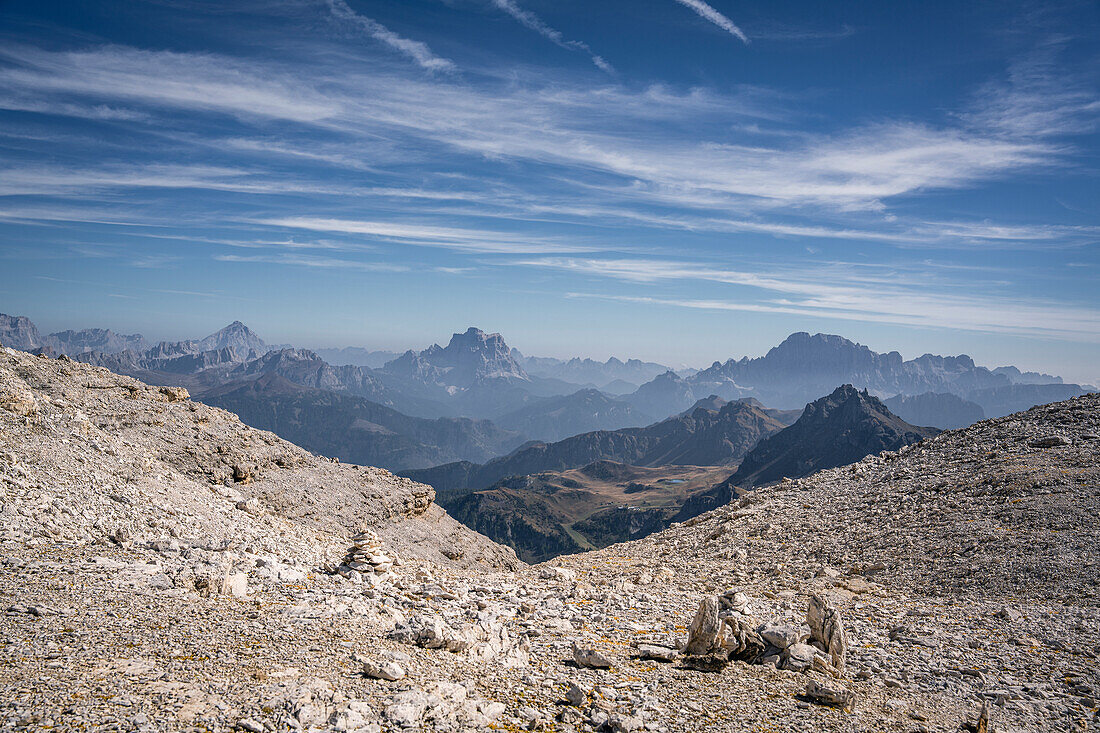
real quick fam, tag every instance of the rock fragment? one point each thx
(703, 632)
(831, 695)
(592, 658)
(657, 653)
(1049, 441)
(391, 670)
(827, 628)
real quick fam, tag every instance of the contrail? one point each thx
(536, 24)
(417, 51)
(715, 17)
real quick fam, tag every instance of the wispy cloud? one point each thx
(536, 24)
(163, 79)
(715, 17)
(455, 238)
(846, 292)
(313, 262)
(416, 50)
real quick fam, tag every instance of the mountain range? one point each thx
(477, 376)
(614, 375)
(548, 510)
(804, 367)
(714, 433)
(356, 430)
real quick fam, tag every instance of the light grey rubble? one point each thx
(138, 596)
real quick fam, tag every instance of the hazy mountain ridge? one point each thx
(357, 430)
(705, 437)
(803, 367)
(590, 371)
(357, 356)
(588, 410)
(935, 409)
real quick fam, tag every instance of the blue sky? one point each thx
(667, 179)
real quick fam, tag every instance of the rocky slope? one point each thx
(952, 574)
(706, 437)
(90, 455)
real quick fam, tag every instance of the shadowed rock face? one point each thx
(833, 431)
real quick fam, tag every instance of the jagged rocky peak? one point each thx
(18, 332)
(820, 349)
(468, 357)
(237, 336)
(103, 340)
(486, 352)
(834, 430)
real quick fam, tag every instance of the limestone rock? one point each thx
(827, 628)
(390, 670)
(832, 695)
(657, 652)
(587, 657)
(703, 632)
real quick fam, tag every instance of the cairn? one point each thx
(366, 562)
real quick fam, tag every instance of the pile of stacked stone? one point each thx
(366, 562)
(724, 629)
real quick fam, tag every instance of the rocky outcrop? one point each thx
(468, 358)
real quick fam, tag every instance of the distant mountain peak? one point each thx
(468, 358)
(839, 428)
(236, 336)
